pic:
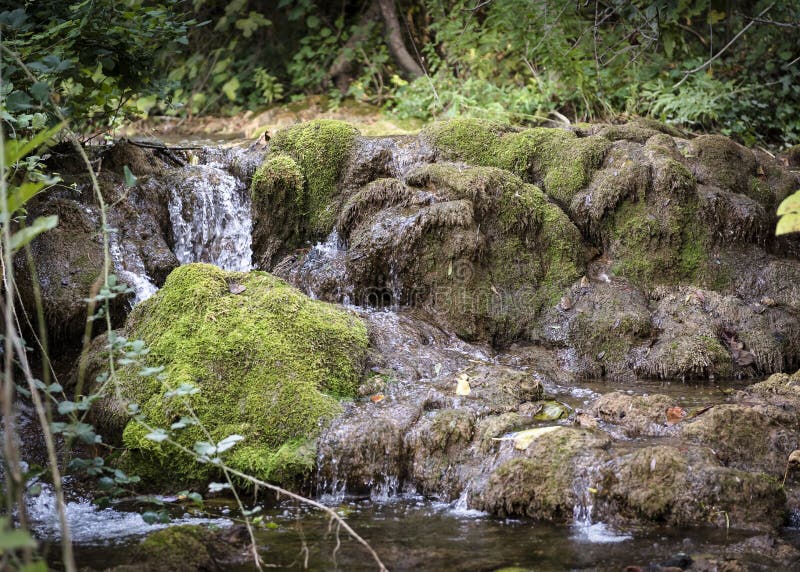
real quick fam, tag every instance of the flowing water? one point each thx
(411, 533)
(209, 212)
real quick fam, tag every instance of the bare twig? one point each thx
(722, 51)
(477, 6)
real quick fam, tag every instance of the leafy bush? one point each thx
(91, 58)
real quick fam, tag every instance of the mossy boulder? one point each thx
(477, 246)
(745, 437)
(558, 160)
(295, 190)
(541, 483)
(270, 365)
(686, 486)
(638, 415)
(603, 324)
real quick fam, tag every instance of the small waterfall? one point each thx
(129, 268)
(210, 215)
(586, 530)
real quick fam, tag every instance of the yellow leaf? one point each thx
(462, 388)
(523, 439)
(789, 211)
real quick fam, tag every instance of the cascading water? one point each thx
(90, 524)
(130, 270)
(210, 216)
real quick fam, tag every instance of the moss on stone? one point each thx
(177, 549)
(557, 159)
(280, 223)
(518, 252)
(270, 364)
(321, 149)
(541, 484)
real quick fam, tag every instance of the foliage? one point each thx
(89, 57)
(730, 68)
(789, 211)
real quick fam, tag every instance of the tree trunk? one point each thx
(341, 71)
(394, 39)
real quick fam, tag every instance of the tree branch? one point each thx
(394, 40)
(728, 45)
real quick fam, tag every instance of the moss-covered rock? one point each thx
(476, 245)
(321, 149)
(279, 217)
(744, 437)
(602, 324)
(556, 159)
(638, 415)
(269, 362)
(687, 486)
(541, 484)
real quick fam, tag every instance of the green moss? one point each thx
(639, 130)
(562, 162)
(321, 149)
(519, 251)
(270, 364)
(659, 243)
(280, 222)
(176, 549)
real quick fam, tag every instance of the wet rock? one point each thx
(696, 333)
(68, 262)
(188, 549)
(687, 486)
(295, 192)
(605, 326)
(477, 247)
(541, 483)
(743, 437)
(637, 415)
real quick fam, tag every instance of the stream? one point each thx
(210, 220)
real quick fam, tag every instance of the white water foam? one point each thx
(92, 525)
(210, 216)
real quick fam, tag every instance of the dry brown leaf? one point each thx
(377, 398)
(675, 415)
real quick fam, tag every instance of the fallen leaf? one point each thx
(566, 303)
(675, 415)
(585, 282)
(462, 388)
(236, 288)
(377, 398)
(523, 439)
(552, 411)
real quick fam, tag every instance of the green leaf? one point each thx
(130, 178)
(228, 442)
(67, 407)
(40, 90)
(27, 234)
(230, 88)
(15, 540)
(17, 150)
(157, 435)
